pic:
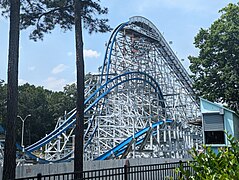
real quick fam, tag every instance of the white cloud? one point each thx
(54, 84)
(89, 53)
(21, 81)
(31, 68)
(59, 68)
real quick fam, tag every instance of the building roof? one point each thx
(219, 106)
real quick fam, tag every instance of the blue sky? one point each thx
(51, 62)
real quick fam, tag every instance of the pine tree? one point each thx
(9, 163)
(43, 17)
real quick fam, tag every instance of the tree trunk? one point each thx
(9, 164)
(79, 129)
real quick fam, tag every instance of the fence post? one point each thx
(39, 176)
(126, 169)
(180, 165)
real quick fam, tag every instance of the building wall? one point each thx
(229, 125)
(236, 126)
(231, 120)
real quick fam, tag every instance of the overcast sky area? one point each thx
(51, 62)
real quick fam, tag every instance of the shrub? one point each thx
(209, 165)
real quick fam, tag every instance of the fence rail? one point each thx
(144, 172)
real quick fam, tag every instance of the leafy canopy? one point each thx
(211, 166)
(45, 107)
(42, 16)
(216, 69)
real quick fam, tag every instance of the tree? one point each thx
(35, 101)
(70, 91)
(43, 16)
(9, 163)
(216, 69)
(80, 86)
(208, 165)
(45, 107)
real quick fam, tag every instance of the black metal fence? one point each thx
(142, 172)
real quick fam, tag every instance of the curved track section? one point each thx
(123, 148)
(94, 99)
(141, 81)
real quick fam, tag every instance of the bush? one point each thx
(211, 166)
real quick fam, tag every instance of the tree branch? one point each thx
(51, 11)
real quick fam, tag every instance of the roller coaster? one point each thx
(141, 104)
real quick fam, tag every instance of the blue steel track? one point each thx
(99, 94)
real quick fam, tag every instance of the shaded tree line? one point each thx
(45, 107)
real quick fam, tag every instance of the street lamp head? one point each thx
(25, 117)
(23, 120)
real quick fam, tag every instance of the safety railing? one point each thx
(142, 172)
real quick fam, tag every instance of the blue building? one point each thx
(217, 119)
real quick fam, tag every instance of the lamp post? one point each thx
(23, 120)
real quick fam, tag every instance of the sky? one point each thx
(51, 63)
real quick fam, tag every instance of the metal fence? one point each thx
(142, 172)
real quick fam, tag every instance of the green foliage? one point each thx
(211, 166)
(216, 69)
(70, 90)
(33, 100)
(44, 15)
(45, 107)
